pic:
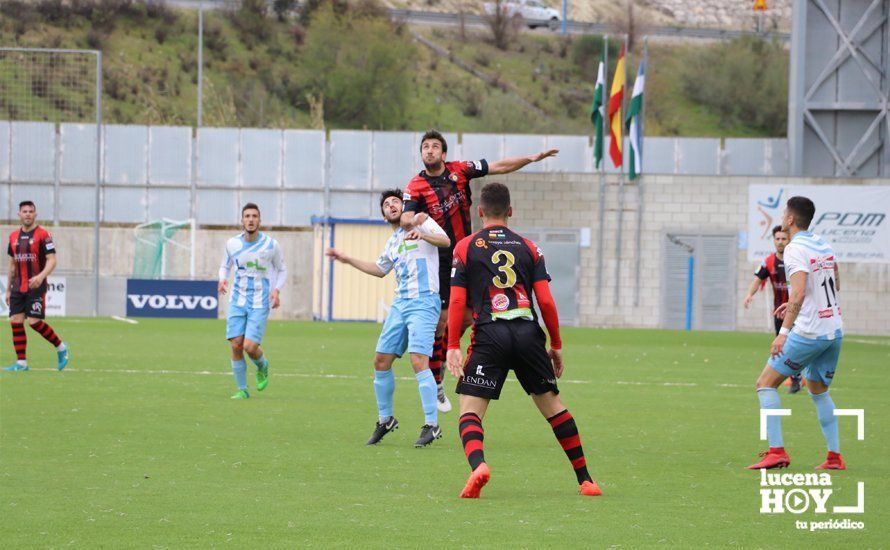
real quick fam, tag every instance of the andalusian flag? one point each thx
(616, 122)
(635, 124)
(598, 112)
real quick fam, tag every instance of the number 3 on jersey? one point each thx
(506, 269)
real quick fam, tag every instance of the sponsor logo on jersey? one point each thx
(406, 196)
(453, 177)
(50, 245)
(477, 164)
(26, 257)
(480, 243)
(500, 302)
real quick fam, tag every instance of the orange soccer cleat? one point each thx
(476, 482)
(833, 462)
(590, 489)
(775, 457)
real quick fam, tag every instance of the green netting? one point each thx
(152, 240)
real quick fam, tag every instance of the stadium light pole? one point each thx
(96, 230)
(565, 16)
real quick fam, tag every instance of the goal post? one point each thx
(160, 247)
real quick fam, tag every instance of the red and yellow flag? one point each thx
(616, 124)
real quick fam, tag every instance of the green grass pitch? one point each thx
(138, 444)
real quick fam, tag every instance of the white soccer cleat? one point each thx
(442, 402)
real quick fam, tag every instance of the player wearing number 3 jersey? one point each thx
(810, 338)
(498, 273)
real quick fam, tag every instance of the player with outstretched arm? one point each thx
(411, 324)
(442, 192)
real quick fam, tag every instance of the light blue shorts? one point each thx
(818, 356)
(247, 322)
(411, 324)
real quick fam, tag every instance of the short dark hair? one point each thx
(250, 206)
(434, 134)
(778, 229)
(27, 203)
(495, 200)
(389, 193)
(803, 211)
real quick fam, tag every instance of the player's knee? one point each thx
(32, 321)
(251, 347)
(237, 345)
(381, 363)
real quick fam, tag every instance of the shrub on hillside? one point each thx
(711, 76)
(364, 82)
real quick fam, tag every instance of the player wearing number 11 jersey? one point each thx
(810, 338)
(498, 273)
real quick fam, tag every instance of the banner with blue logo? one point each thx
(166, 298)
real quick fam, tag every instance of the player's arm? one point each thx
(547, 305)
(512, 164)
(10, 278)
(412, 214)
(752, 290)
(224, 270)
(364, 266)
(457, 304)
(37, 280)
(280, 277)
(430, 232)
(791, 309)
(837, 277)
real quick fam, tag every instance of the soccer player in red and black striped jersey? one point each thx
(442, 191)
(498, 274)
(32, 257)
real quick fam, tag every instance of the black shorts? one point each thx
(32, 303)
(503, 345)
(445, 278)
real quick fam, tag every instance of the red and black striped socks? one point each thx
(19, 340)
(438, 358)
(472, 435)
(566, 433)
(47, 332)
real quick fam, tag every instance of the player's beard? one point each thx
(434, 167)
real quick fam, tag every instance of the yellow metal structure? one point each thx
(347, 294)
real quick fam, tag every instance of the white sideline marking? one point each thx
(125, 320)
(872, 342)
(357, 377)
(764, 413)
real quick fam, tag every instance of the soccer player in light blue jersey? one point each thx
(411, 324)
(259, 275)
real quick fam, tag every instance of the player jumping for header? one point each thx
(32, 257)
(260, 274)
(411, 323)
(442, 191)
(809, 341)
(498, 273)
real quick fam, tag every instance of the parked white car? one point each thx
(534, 12)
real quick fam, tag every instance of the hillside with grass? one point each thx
(313, 71)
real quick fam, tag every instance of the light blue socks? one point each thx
(825, 410)
(384, 386)
(239, 369)
(769, 399)
(426, 383)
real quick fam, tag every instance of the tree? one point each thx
(502, 23)
(364, 83)
(283, 7)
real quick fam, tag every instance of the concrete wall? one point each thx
(673, 204)
(75, 260)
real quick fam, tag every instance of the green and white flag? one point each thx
(635, 124)
(598, 111)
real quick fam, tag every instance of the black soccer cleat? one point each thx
(795, 384)
(428, 434)
(382, 429)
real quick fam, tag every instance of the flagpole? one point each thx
(602, 221)
(620, 187)
(640, 178)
